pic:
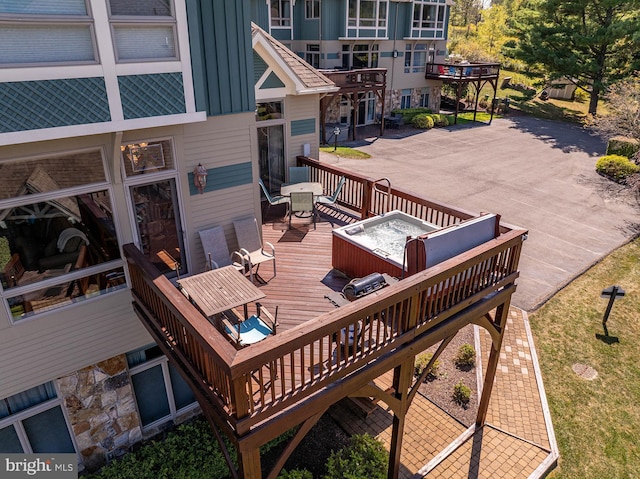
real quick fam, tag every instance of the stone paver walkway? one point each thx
(517, 440)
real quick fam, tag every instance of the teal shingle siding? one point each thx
(52, 103)
(303, 127)
(224, 177)
(259, 67)
(221, 55)
(272, 81)
(145, 96)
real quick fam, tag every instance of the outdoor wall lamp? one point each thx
(200, 177)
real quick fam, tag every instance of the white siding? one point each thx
(56, 344)
(302, 108)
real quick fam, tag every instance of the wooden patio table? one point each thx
(220, 290)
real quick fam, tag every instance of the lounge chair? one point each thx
(273, 200)
(302, 201)
(330, 200)
(251, 247)
(298, 174)
(216, 251)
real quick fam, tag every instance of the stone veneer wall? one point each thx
(102, 410)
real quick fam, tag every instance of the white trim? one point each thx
(29, 136)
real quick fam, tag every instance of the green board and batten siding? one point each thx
(222, 56)
(303, 127)
(224, 177)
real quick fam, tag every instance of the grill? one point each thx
(359, 287)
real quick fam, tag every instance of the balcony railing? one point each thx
(367, 78)
(462, 71)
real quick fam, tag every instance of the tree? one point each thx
(623, 105)
(492, 30)
(464, 13)
(589, 42)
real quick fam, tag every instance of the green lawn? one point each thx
(345, 152)
(597, 422)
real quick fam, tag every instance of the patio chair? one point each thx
(331, 200)
(251, 247)
(251, 330)
(273, 200)
(216, 251)
(298, 174)
(302, 201)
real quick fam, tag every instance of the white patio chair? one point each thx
(251, 246)
(217, 252)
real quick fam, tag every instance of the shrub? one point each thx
(295, 474)
(364, 458)
(421, 362)
(461, 394)
(627, 147)
(466, 356)
(616, 167)
(408, 114)
(423, 121)
(439, 119)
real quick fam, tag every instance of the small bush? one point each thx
(461, 394)
(295, 474)
(439, 119)
(423, 121)
(626, 147)
(616, 167)
(408, 114)
(364, 458)
(421, 362)
(466, 356)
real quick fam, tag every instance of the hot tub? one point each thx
(376, 244)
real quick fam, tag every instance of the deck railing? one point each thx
(358, 78)
(252, 384)
(360, 195)
(462, 71)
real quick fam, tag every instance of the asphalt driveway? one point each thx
(537, 174)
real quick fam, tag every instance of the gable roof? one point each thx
(306, 79)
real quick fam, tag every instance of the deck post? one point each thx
(402, 376)
(500, 321)
(250, 464)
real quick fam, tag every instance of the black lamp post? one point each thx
(336, 132)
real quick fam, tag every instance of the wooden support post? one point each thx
(500, 322)
(250, 464)
(402, 376)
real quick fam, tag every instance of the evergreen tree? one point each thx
(589, 42)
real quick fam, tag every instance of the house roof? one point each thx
(307, 79)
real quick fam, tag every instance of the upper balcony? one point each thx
(256, 393)
(358, 79)
(462, 72)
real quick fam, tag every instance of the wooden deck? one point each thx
(304, 275)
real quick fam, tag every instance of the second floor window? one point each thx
(280, 13)
(43, 32)
(312, 55)
(143, 30)
(367, 18)
(415, 58)
(359, 56)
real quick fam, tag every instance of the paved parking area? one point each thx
(537, 174)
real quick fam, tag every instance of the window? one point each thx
(150, 171)
(367, 18)
(280, 13)
(312, 9)
(428, 19)
(415, 58)
(359, 56)
(269, 111)
(424, 98)
(47, 32)
(56, 248)
(32, 422)
(312, 55)
(161, 393)
(143, 30)
(405, 99)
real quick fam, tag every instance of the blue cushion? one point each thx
(252, 330)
